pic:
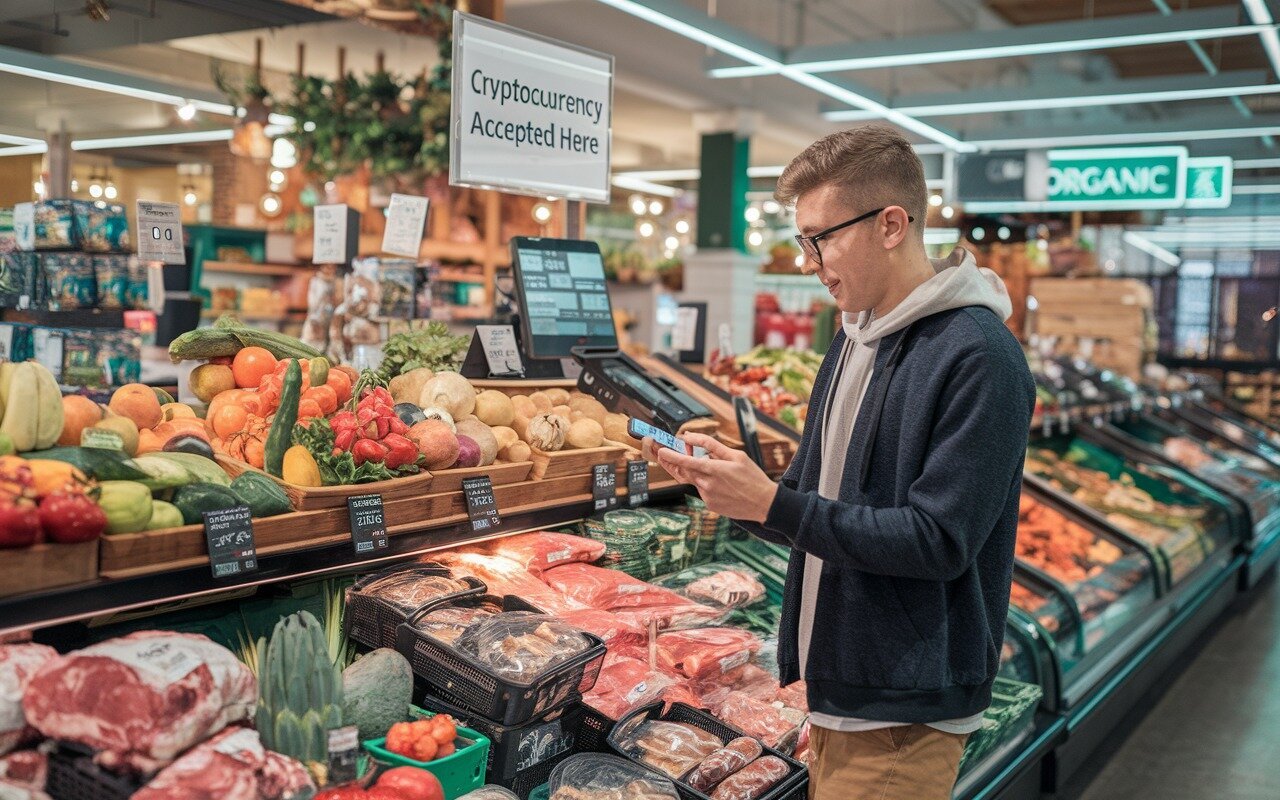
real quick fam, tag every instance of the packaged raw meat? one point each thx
(705, 652)
(489, 792)
(720, 585)
(543, 550)
(27, 768)
(231, 766)
(794, 696)
(672, 748)
(503, 576)
(748, 679)
(141, 699)
(594, 776)
(724, 762)
(612, 590)
(752, 781)
(409, 589)
(520, 645)
(756, 718)
(448, 623)
(18, 662)
(613, 629)
(625, 684)
(20, 791)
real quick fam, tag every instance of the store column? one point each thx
(721, 273)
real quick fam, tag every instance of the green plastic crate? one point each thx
(459, 773)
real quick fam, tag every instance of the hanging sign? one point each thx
(531, 115)
(406, 217)
(1209, 182)
(335, 234)
(160, 233)
(24, 226)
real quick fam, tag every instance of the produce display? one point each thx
(777, 381)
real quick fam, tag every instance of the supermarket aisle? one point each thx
(1216, 732)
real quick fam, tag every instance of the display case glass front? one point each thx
(1182, 523)
(1257, 428)
(1107, 580)
(1219, 432)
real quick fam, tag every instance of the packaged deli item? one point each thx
(720, 585)
(672, 748)
(520, 645)
(595, 776)
(724, 762)
(752, 781)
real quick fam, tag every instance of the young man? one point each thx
(901, 504)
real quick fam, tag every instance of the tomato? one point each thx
(251, 365)
(325, 395)
(228, 419)
(383, 793)
(308, 408)
(343, 793)
(71, 518)
(19, 522)
(340, 382)
(412, 783)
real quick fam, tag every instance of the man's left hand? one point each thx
(728, 480)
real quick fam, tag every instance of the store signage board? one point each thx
(482, 506)
(24, 226)
(500, 349)
(334, 235)
(1209, 182)
(160, 233)
(604, 487)
(531, 115)
(406, 220)
(368, 523)
(637, 483)
(1102, 179)
(229, 533)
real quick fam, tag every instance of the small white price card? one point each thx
(406, 217)
(24, 225)
(329, 234)
(500, 349)
(160, 233)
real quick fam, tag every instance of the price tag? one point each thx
(344, 747)
(101, 439)
(329, 234)
(684, 336)
(24, 226)
(604, 487)
(229, 532)
(368, 526)
(160, 233)
(500, 349)
(726, 340)
(637, 483)
(482, 506)
(47, 349)
(406, 216)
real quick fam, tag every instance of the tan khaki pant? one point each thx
(905, 762)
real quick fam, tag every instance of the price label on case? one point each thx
(604, 487)
(482, 505)
(368, 523)
(344, 748)
(637, 483)
(160, 233)
(229, 534)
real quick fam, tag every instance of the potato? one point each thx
(483, 436)
(520, 424)
(590, 407)
(584, 433)
(563, 411)
(518, 451)
(542, 402)
(494, 408)
(615, 429)
(559, 397)
(506, 437)
(524, 407)
(407, 388)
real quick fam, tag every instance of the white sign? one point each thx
(24, 225)
(329, 234)
(685, 334)
(531, 115)
(406, 216)
(160, 233)
(500, 349)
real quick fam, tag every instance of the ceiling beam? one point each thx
(1058, 37)
(1092, 134)
(1086, 95)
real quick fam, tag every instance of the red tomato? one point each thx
(70, 518)
(343, 793)
(383, 793)
(412, 783)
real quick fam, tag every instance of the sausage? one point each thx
(723, 763)
(752, 781)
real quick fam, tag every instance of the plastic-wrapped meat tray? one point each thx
(377, 604)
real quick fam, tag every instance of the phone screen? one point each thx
(640, 429)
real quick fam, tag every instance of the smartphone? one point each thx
(640, 429)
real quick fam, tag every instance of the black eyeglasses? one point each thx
(809, 244)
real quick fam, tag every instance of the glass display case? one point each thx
(1216, 461)
(1224, 429)
(1082, 584)
(1222, 409)
(1183, 521)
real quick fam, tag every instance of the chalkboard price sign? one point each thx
(229, 533)
(637, 483)
(482, 506)
(368, 525)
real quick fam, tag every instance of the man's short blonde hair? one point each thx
(873, 165)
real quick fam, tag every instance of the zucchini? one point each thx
(228, 336)
(203, 344)
(201, 468)
(99, 463)
(264, 496)
(280, 437)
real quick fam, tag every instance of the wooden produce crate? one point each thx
(308, 498)
(46, 566)
(1092, 292)
(500, 473)
(564, 463)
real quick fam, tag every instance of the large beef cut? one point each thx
(628, 597)
(142, 699)
(231, 766)
(706, 652)
(543, 550)
(18, 662)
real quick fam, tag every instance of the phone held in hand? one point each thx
(640, 429)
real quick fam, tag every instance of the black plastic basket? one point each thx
(372, 621)
(793, 787)
(73, 776)
(462, 681)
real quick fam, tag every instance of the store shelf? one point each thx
(288, 316)
(82, 601)
(245, 268)
(78, 318)
(456, 275)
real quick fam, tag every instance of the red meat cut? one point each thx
(18, 662)
(706, 652)
(231, 766)
(625, 684)
(142, 699)
(543, 550)
(628, 597)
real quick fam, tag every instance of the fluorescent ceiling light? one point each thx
(1080, 101)
(8, 138)
(153, 139)
(941, 235)
(1258, 163)
(25, 150)
(1257, 188)
(1151, 248)
(1261, 15)
(1119, 138)
(981, 53)
(648, 187)
(801, 77)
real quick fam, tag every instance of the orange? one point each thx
(228, 419)
(137, 402)
(308, 408)
(251, 365)
(78, 413)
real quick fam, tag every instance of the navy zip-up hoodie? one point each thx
(917, 552)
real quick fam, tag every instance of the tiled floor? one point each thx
(1215, 734)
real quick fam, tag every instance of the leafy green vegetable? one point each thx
(341, 469)
(432, 346)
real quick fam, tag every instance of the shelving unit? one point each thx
(1257, 392)
(246, 268)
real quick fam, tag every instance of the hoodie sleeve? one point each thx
(977, 446)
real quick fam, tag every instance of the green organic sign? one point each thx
(1117, 178)
(1209, 182)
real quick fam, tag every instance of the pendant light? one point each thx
(250, 136)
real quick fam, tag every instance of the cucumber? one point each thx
(263, 496)
(94, 462)
(196, 498)
(280, 437)
(228, 336)
(201, 468)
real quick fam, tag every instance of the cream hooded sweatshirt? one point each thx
(958, 283)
